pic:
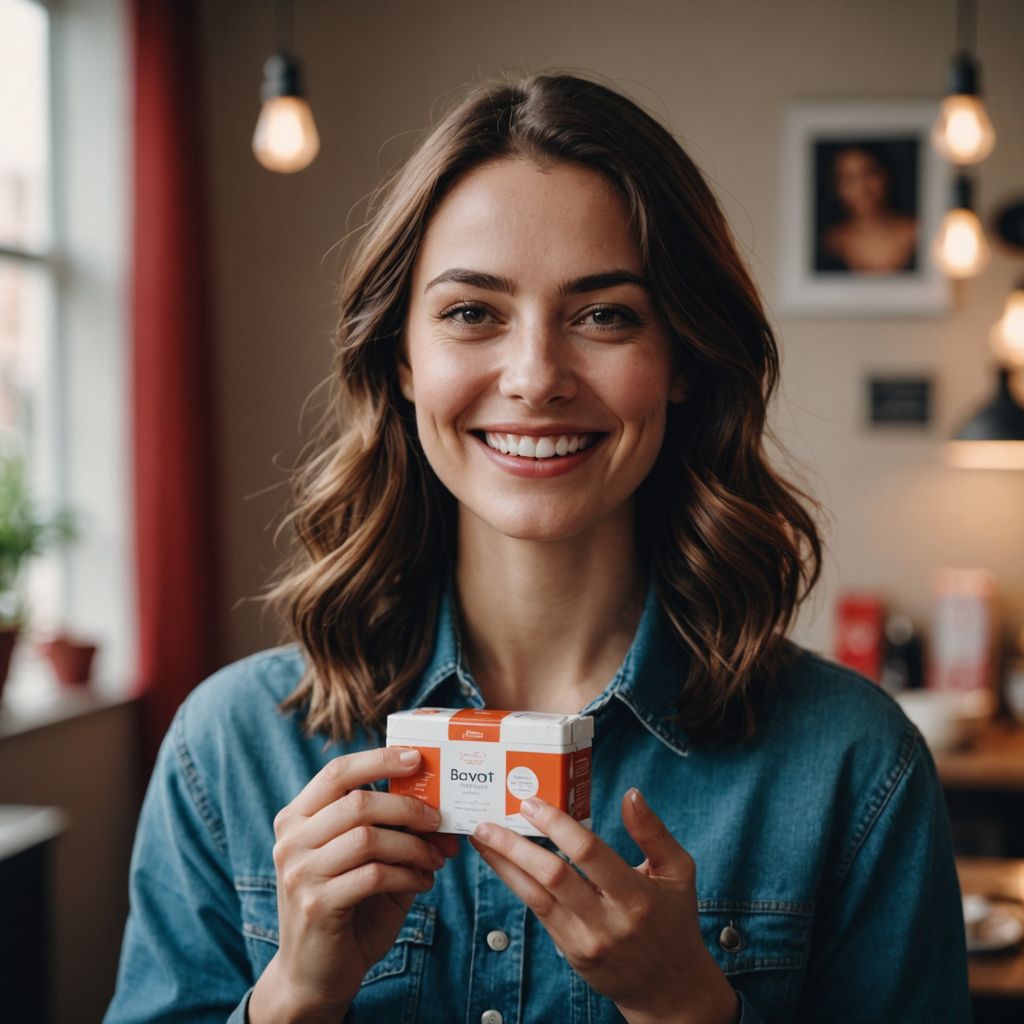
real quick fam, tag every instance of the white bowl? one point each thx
(947, 719)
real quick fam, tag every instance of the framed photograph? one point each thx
(863, 195)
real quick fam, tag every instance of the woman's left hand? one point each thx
(632, 934)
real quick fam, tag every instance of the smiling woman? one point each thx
(543, 487)
(551, 357)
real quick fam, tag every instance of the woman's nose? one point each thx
(536, 366)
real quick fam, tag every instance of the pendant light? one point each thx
(960, 248)
(286, 139)
(1007, 334)
(993, 438)
(963, 132)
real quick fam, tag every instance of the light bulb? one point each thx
(1007, 334)
(286, 138)
(963, 132)
(960, 248)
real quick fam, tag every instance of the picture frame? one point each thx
(863, 193)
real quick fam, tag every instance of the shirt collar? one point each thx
(647, 682)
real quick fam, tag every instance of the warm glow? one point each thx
(960, 248)
(963, 133)
(985, 454)
(1007, 334)
(286, 138)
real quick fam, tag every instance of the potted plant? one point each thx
(25, 531)
(70, 656)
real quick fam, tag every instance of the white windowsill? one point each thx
(33, 698)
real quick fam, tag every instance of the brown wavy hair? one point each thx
(731, 547)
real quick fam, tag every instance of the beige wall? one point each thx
(720, 73)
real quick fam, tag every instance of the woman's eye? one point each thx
(604, 316)
(473, 315)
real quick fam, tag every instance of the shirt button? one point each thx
(497, 940)
(731, 940)
(490, 1017)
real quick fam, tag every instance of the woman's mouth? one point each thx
(526, 446)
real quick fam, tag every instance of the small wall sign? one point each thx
(899, 400)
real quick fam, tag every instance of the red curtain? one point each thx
(175, 450)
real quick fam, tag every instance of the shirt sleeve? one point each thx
(888, 941)
(183, 956)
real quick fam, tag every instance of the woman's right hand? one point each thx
(344, 884)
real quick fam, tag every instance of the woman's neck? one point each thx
(546, 624)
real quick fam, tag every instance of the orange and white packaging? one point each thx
(480, 764)
(965, 649)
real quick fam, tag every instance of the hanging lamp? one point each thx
(993, 438)
(963, 132)
(960, 248)
(285, 139)
(1007, 334)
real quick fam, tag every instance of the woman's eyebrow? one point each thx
(498, 283)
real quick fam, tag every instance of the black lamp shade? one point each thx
(1001, 420)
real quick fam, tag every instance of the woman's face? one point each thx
(860, 181)
(538, 363)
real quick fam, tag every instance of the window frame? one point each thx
(87, 414)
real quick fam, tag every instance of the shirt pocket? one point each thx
(762, 948)
(391, 987)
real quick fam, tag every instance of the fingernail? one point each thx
(409, 756)
(639, 803)
(529, 807)
(483, 832)
(432, 814)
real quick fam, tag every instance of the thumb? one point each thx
(666, 858)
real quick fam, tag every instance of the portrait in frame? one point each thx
(862, 198)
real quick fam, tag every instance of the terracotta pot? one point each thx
(8, 636)
(71, 661)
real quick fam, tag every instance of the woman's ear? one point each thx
(405, 376)
(678, 389)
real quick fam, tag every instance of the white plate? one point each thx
(999, 929)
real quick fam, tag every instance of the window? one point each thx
(65, 193)
(29, 381)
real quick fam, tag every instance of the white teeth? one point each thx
(526, 446)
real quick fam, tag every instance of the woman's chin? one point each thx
(534, 526)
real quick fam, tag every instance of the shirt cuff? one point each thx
(240, 1014)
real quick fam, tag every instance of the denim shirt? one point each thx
(826, 884)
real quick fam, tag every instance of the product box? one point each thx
(479, 764)
(860, 633)
(965, 650)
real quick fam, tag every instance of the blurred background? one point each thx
(166, 306)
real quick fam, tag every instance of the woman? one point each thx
(544, 487)
(870, 236)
